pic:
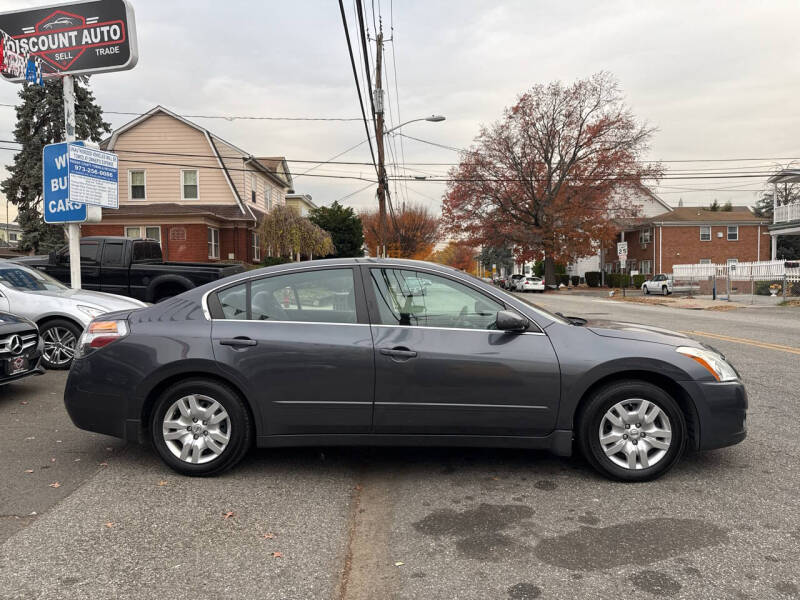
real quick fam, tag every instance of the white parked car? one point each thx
(60, 312)
(660, 284)
(530, 284)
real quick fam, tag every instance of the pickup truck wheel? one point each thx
(60, 338)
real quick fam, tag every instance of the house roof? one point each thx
(696, 214)
(304, 198)
(278, 166)
(785, 176)
(229, 212)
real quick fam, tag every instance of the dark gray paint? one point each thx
(331, 384)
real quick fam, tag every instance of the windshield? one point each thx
(543, 311)
(29, 280)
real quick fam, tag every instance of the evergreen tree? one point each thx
(40, 121)
(344, 226)
(763, 207)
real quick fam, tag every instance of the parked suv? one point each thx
(660, 284)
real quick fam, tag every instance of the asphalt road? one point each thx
(413, 523)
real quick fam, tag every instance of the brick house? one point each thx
(200, 196)
(691, 234)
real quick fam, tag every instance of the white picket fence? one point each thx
(765, 270)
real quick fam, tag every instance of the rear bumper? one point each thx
(93, 404)
(721, 412)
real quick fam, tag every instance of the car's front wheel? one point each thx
(60, 338)
(632, 431)
(645, 289)
(201, 427)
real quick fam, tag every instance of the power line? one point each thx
(225, 117)
(358, 85)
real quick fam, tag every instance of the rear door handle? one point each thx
(398, 352)
(238, 342)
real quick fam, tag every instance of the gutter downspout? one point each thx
(758, 245)
(660, 249)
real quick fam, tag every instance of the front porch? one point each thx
(786, 217)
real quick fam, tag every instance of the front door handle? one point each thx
(399, 352)
(238, 342)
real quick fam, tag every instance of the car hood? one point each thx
(108, 302)
(643, 333)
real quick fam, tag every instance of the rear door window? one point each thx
(112, 254)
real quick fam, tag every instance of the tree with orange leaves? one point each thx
(553, 176)
(456, 254)
(411, 232)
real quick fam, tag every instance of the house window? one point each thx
(137, 183)
(152, 232)
(644, 267)
(256, 248)
(644, 236)
(705, 234)
(213, 242)
(12, 237)
(705, 261)
(189, 184)
(733, 233)
(253, 189)
(268, 198)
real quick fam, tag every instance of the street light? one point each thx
(382, 183)
(432, 119)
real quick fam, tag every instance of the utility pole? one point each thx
(378, 101)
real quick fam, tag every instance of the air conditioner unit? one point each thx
(644, 245)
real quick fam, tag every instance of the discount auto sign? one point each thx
(83, 37)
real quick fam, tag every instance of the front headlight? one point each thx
(90, 311)
(712, 361)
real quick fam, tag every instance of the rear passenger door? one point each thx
(114, 268)
(300, 344)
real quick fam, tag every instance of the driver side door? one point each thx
(441, 367)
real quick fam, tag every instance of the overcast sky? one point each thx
(718, 79)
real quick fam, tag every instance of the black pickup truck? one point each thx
(130, 267)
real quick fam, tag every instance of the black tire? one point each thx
(664, 290)
(241, 426)
(50, 331)
(646, 290)
(601, 401)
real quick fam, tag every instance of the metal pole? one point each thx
(784, 286)
(73, 229)
(379, 139)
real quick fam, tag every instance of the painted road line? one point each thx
(756, 343)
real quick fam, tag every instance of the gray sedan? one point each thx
(347, 352)
(60, 312)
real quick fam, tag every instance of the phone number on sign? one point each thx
(80, 169)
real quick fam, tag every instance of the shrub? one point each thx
(562, 278)
(270, 261)
(575, 280)
(638, 280)
(593, 278)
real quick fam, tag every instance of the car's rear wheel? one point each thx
(201, 427)
(632, 431)
(60, 338)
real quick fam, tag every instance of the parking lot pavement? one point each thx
(424, 522)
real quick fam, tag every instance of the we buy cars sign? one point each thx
(69, 39)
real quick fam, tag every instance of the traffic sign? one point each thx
(78, 37)
(622, 249)
(93, 176)
(55, 184)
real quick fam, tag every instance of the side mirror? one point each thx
(511, 321)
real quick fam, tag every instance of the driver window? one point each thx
(420, 299)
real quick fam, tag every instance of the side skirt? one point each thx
(558, 442)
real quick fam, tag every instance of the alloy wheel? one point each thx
(196, 429)
(635, 434)
(59, 345)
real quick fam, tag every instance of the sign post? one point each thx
(622, 254)
(62, 40)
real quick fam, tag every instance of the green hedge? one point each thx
(638, 280)
(593, 278)
(270, 261)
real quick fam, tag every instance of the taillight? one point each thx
(99, 334)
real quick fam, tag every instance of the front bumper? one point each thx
(721, 412)
(34, 362)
